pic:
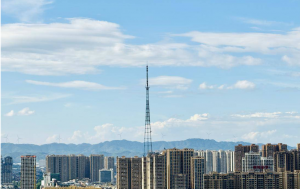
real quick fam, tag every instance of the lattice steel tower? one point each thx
(147, 135)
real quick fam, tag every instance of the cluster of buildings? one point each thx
(66, 169)
(246, 167)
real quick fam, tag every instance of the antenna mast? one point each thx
(147, 135)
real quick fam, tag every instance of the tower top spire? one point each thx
(147, 85)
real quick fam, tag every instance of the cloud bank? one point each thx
(81, 46)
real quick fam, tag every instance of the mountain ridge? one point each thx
(112, 148)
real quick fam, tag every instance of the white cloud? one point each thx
(238, 85)
(9, 114)
(281, 115)
(77, 136)
(68, 105)
(259, 115)
(260, 22)
(76, 85)
(197, 126)
(254, 136)
(285, 45)
(26, 111)
(30, 99)
(25, 10)
(243, 85)
(53, 138)
(198, 117)
(221, 87)
(170, 82)
(205, 86)
(80, 46)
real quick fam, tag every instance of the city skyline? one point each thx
(75, 72)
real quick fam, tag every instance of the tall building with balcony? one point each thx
(58, 164)
(197, 172)
(239, 153)
(129, 173)
(269, 149)
(6, 170)
(287, 161)
(96, 163)
(154, 166)
(250, 160)
(230, 161)
(28, 172)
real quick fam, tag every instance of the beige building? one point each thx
(123, 173)
(28, 172)
(239, 153)
(129, 173)
(197, 172)
(178, 162)
(269, 149)
(291, 180)
(287, 161)
(96, 163)
(109, 163)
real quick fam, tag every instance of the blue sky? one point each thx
(227, 71)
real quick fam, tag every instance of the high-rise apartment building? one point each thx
(6, 170)
(187, 154)
(250, 160)
(96, 163)
(81, 166)
(291, 180)
(253, 162)
(28, 172)
(136, 173)
(209, 161)
(58, 164)
(197, 172)
(73, 167)
(298, 146)
(269, 149)
(268, 163)
(129, 173)
(230, 161)
(109, 162)
(154, 171)
(123, 173)
(216, 161)
(287, 161)
(239, 153)
(222, 161)
(178, 163)
(87, 167)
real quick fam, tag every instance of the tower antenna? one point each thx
(147, 135)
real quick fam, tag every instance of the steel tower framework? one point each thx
(147, 134)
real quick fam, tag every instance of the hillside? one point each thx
(110, 148)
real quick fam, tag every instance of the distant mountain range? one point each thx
(110, 148)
